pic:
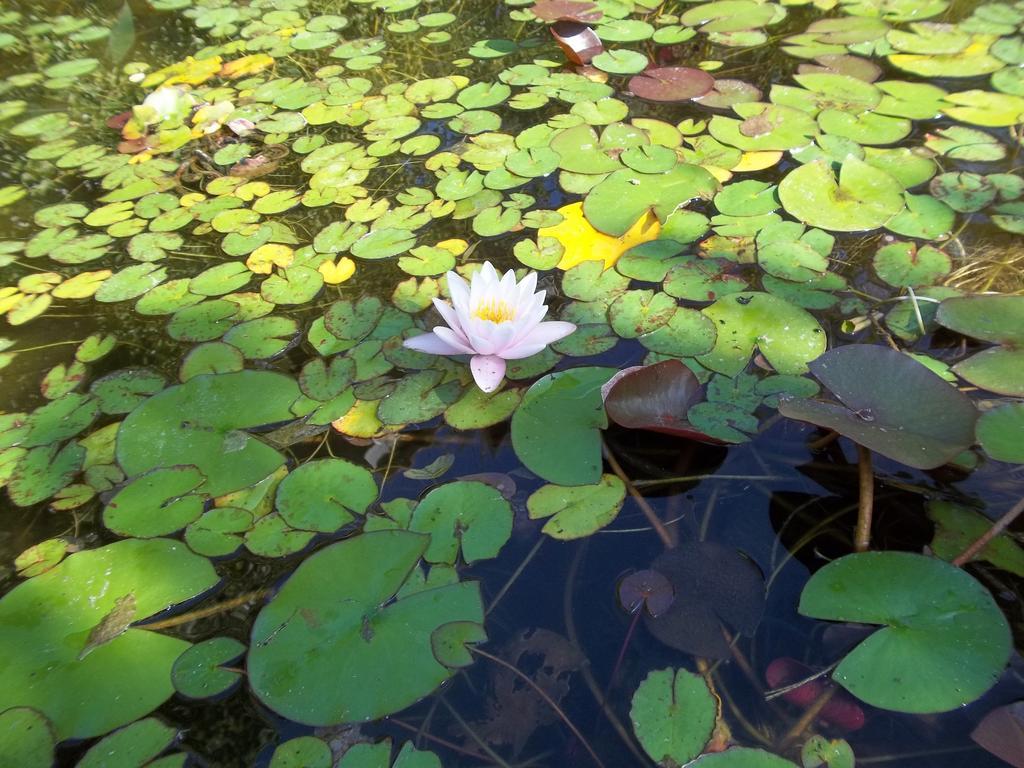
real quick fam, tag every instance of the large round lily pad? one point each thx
(68, 642)
(324, 650)
(201, 423)
(570, 455)
(863, 197)
(944, 642)
(910, 414)
(671, 83)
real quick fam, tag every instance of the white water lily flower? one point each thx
(493, 319)
(166, 102)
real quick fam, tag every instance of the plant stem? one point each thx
(543, 694)
(210, 610)
(807, 718)
(862, 538)
(649, 513)
(515, 575)
(997, 528)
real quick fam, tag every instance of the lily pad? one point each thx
(944, 642)
(622, 199)
(577, 511)
(863, 197)
(911, 415)
(741, 757)
(199, 672)
(786, 335)
(957, 527)
(325, 494)
(572, 399)
(216, 408)
(999, 432)
(99, 676)
(670, 83)
(466, 516)
(326, 623)
(990, 318)
(674, 715)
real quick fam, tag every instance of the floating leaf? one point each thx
(326, 624)
(118, 681)
(957, 527)
(26, 738)
(572, 455)
(911, 415)
(944, 641)
(199, 672)
(468, 516)
(671, 83)
(674, 715)
(862, 198)
(134, 746)
(325, 494)
(577, 511)
(999, 432)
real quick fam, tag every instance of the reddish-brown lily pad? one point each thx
(654, 397)
(671, 84)
(578, 42)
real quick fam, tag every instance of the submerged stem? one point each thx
(649, 513)
(998, 527)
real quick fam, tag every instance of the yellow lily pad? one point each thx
(584, 243)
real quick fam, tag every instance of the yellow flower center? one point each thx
(495, 310)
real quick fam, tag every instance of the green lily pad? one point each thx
(199, 672)
(577, 511)
(157, 503)
(42, 472)
(944, 641)
(911, 415)
(957, 527)
(786, 335)
(218, 532)
(572, 454)
(217, 408)
(264, 337)
(271, 536)
(904, 265)
(674, 715)
(326, 623)
(304, 752)
(26, 738)
(764, 127)
(862, 198)
(325, 494)
(990, 318)
(103, 673)
(477, 409)
(467, 515)
(999, 432)
(133, 746)
(618, 202)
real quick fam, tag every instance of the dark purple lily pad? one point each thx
(648, 588)
(716, 588)
(890, 403)
(671, 84)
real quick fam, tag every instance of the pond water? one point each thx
(257, 513)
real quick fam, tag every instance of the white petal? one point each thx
(432, 344)
(488, 371)
(528, 285)
(479, 333)
(450, 316)
(453, 339)
(458, 289)
(538, 338)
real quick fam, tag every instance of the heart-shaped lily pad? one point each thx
(67, 636)
(326, 624)
(990, 318)
(786, 335)
(910, 415)
(572, 399)
(674, 715)
(670, 83)
(944, 642)
(863, 197)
